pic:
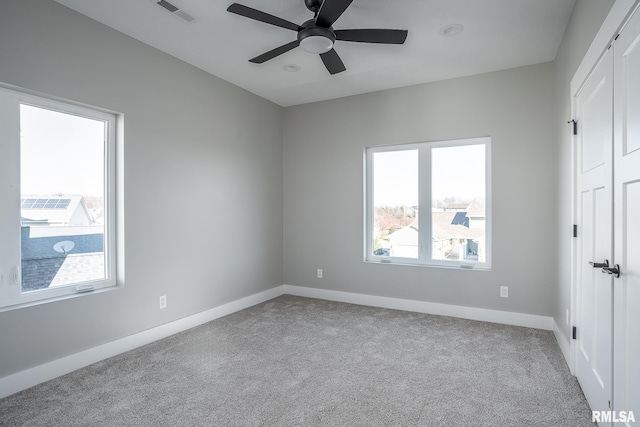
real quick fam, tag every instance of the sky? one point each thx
(60, 153)
(395, 178)
(456, 172)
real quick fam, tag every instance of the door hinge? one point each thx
(575, 230)
(575, 126)
(574, 332)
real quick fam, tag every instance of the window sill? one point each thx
(59, 298)
(451, 266)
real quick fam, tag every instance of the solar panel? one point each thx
(45, 203)
(63, 203)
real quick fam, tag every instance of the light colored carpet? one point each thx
(303, 362)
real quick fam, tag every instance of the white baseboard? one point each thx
(28, 378)
(482, 314)
(564, 344)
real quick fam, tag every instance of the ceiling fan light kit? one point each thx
(316, 44)
(317, 34)
(316, 39)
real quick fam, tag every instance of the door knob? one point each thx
(615, 270)
(599, 264)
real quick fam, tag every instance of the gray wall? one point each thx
(323, 187)
(587, 17)
(203, 181)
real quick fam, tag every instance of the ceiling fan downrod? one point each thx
(313, 6)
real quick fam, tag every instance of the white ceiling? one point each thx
(498, 34)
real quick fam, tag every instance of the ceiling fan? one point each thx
(317, 34)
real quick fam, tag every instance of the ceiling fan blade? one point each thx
(333, 62)
(372, 35)
(275, 52)
(330, 11)
(251, 13)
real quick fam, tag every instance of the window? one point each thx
(429, 204)
(58, 212)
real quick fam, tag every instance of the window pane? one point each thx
(395, 204)
(458, 203)
(62, 185)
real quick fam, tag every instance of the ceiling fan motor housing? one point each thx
(313, 5)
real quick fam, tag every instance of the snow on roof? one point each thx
(476, 209)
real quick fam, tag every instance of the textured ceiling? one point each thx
(498, 34)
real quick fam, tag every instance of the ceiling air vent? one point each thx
(175, 10)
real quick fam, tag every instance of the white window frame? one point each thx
(424, 203)
(11, 295)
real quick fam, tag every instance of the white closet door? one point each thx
(627, 220)
(595, 240)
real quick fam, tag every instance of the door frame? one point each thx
(618, 16)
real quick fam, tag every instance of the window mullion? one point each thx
(424, 209)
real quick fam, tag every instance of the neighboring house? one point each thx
(477, 214)
(453, 238)
(456, 234)
(404, 242)
(69, 210)
(455, 207)
(60, 242)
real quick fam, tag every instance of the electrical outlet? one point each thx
(504, 292)
(319, 273)
(163, 301)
